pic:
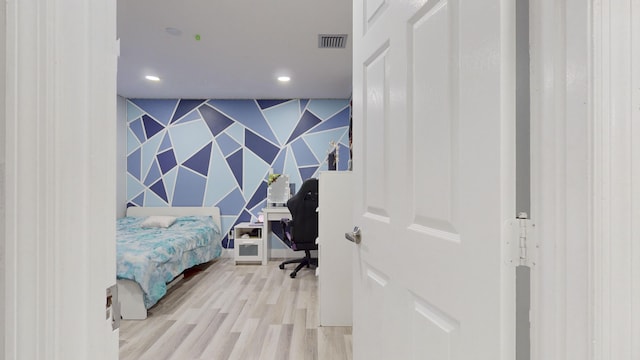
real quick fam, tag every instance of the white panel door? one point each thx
(433, 98)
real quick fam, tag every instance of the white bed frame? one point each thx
(130, 293)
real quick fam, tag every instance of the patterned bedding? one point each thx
(152, 257)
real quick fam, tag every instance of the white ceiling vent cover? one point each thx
(332, 41)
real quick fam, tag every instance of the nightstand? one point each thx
(248, 243)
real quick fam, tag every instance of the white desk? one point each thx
(271, 214)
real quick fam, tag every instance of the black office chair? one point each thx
(301, 231)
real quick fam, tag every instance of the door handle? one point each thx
(353, 236)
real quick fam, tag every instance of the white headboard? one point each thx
(214, 212)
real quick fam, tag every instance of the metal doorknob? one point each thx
(353, 236)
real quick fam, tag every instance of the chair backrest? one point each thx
(302, 207)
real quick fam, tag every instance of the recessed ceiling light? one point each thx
(283, 78)
(152, 78)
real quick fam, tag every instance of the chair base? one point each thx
(302, 262)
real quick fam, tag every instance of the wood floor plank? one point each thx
(222, 311)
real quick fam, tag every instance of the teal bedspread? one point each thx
(152, 257)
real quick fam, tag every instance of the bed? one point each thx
(149, 259)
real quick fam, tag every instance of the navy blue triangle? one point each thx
(167, 161)
(276, 229)
(235, 163)
(151, 127)
(158, 188)
(264, 104)
(261, 147)
(245, 216)
(307, 121)
(226, 243)
(199, 162)
(258, 196)
(307, 172)
(341, 119)
(184, 107)
(215, 120)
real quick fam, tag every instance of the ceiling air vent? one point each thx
(332, 41)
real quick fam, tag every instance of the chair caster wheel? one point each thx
(293, 275)
(281, 266)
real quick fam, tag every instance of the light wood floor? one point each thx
(227, 311)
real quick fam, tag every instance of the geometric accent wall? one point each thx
(185, 152)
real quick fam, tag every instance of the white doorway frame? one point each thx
(59, 240)
(615, 191)
(585, 174)
(585, 166)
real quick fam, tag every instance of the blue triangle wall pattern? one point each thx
(224, 118)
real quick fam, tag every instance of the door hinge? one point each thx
(522, 246)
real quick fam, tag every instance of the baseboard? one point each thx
(227, 254)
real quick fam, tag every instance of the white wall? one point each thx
(121, 157)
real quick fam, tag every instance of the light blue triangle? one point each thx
(345, 139)
(133, 112)
(255, 171)
(283, 119)
(278, 163)
(169, 180)
(149, 151)
(134, 187)
(153, 175)
(153, 200)
(323, 167)
(291, 169)
(221, 181)
(189, 138)
(227, 222)
(191, 116)
(227, 144)
(236, 131)
(326, 108)
(166, 142)
(320, 142)
(132, 142)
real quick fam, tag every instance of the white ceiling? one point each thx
(243, 47)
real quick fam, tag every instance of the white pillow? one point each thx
(158, 221)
